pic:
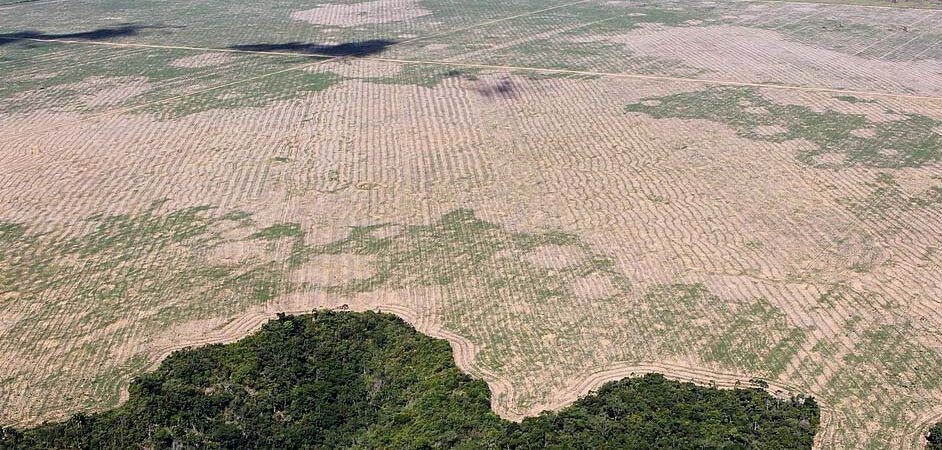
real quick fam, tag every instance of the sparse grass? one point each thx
(754, 336)
(147, 76)
(541, 75)
(427, 75)
(851, 99)
(909, 142)
(253, 94)
(887, 200)
(487, 266)
(131, 275)
(86, 304)
(894, 361)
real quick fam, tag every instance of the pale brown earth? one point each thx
(364, 13)
(335, 270)
(109, 91)
(202, 60)
(594, 287)
(672, 176)
(361, 69)
(555, 256)
(740, 53)
(33, 77)
(775, 247)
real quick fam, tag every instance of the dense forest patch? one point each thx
(369, 380)
(935, 437)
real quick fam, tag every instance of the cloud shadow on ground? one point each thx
(93, 35)
(353, 49)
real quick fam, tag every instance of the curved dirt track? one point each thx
(917, 439)
(465, 351)
(557, 172)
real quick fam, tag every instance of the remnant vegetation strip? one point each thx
(487, 66)
(164, 100)
(326, 58)
(662, 78)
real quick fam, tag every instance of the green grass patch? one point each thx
(852, 99)
(908, 142)
(886, 199)
(427, 75)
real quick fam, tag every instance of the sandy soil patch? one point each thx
(386, 232)
(830, 159)
(756, 55)
(229, 96)
(101, 91)
(202, 60)
(365, 13)
(435, 47)
(864, 133)
(917, 180)
(755, 110)
(321, 234)
(334, 270)
(555, 257)
(35, 76)
(594, 287)
(363, 69)
(237, 251)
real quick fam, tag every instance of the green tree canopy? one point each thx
(334, 380)
(934, 437)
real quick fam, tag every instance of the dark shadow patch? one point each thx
(353, 49)
(460, 73)
(502, 89)
(94, 35)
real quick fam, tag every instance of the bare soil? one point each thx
(364, 13)
(809, 278)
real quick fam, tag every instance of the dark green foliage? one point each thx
(653, 412)
(331, 380)
(934, 437)
(368, 380)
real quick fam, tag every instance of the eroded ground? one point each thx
(569, 192)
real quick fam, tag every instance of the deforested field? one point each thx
(735, 193)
